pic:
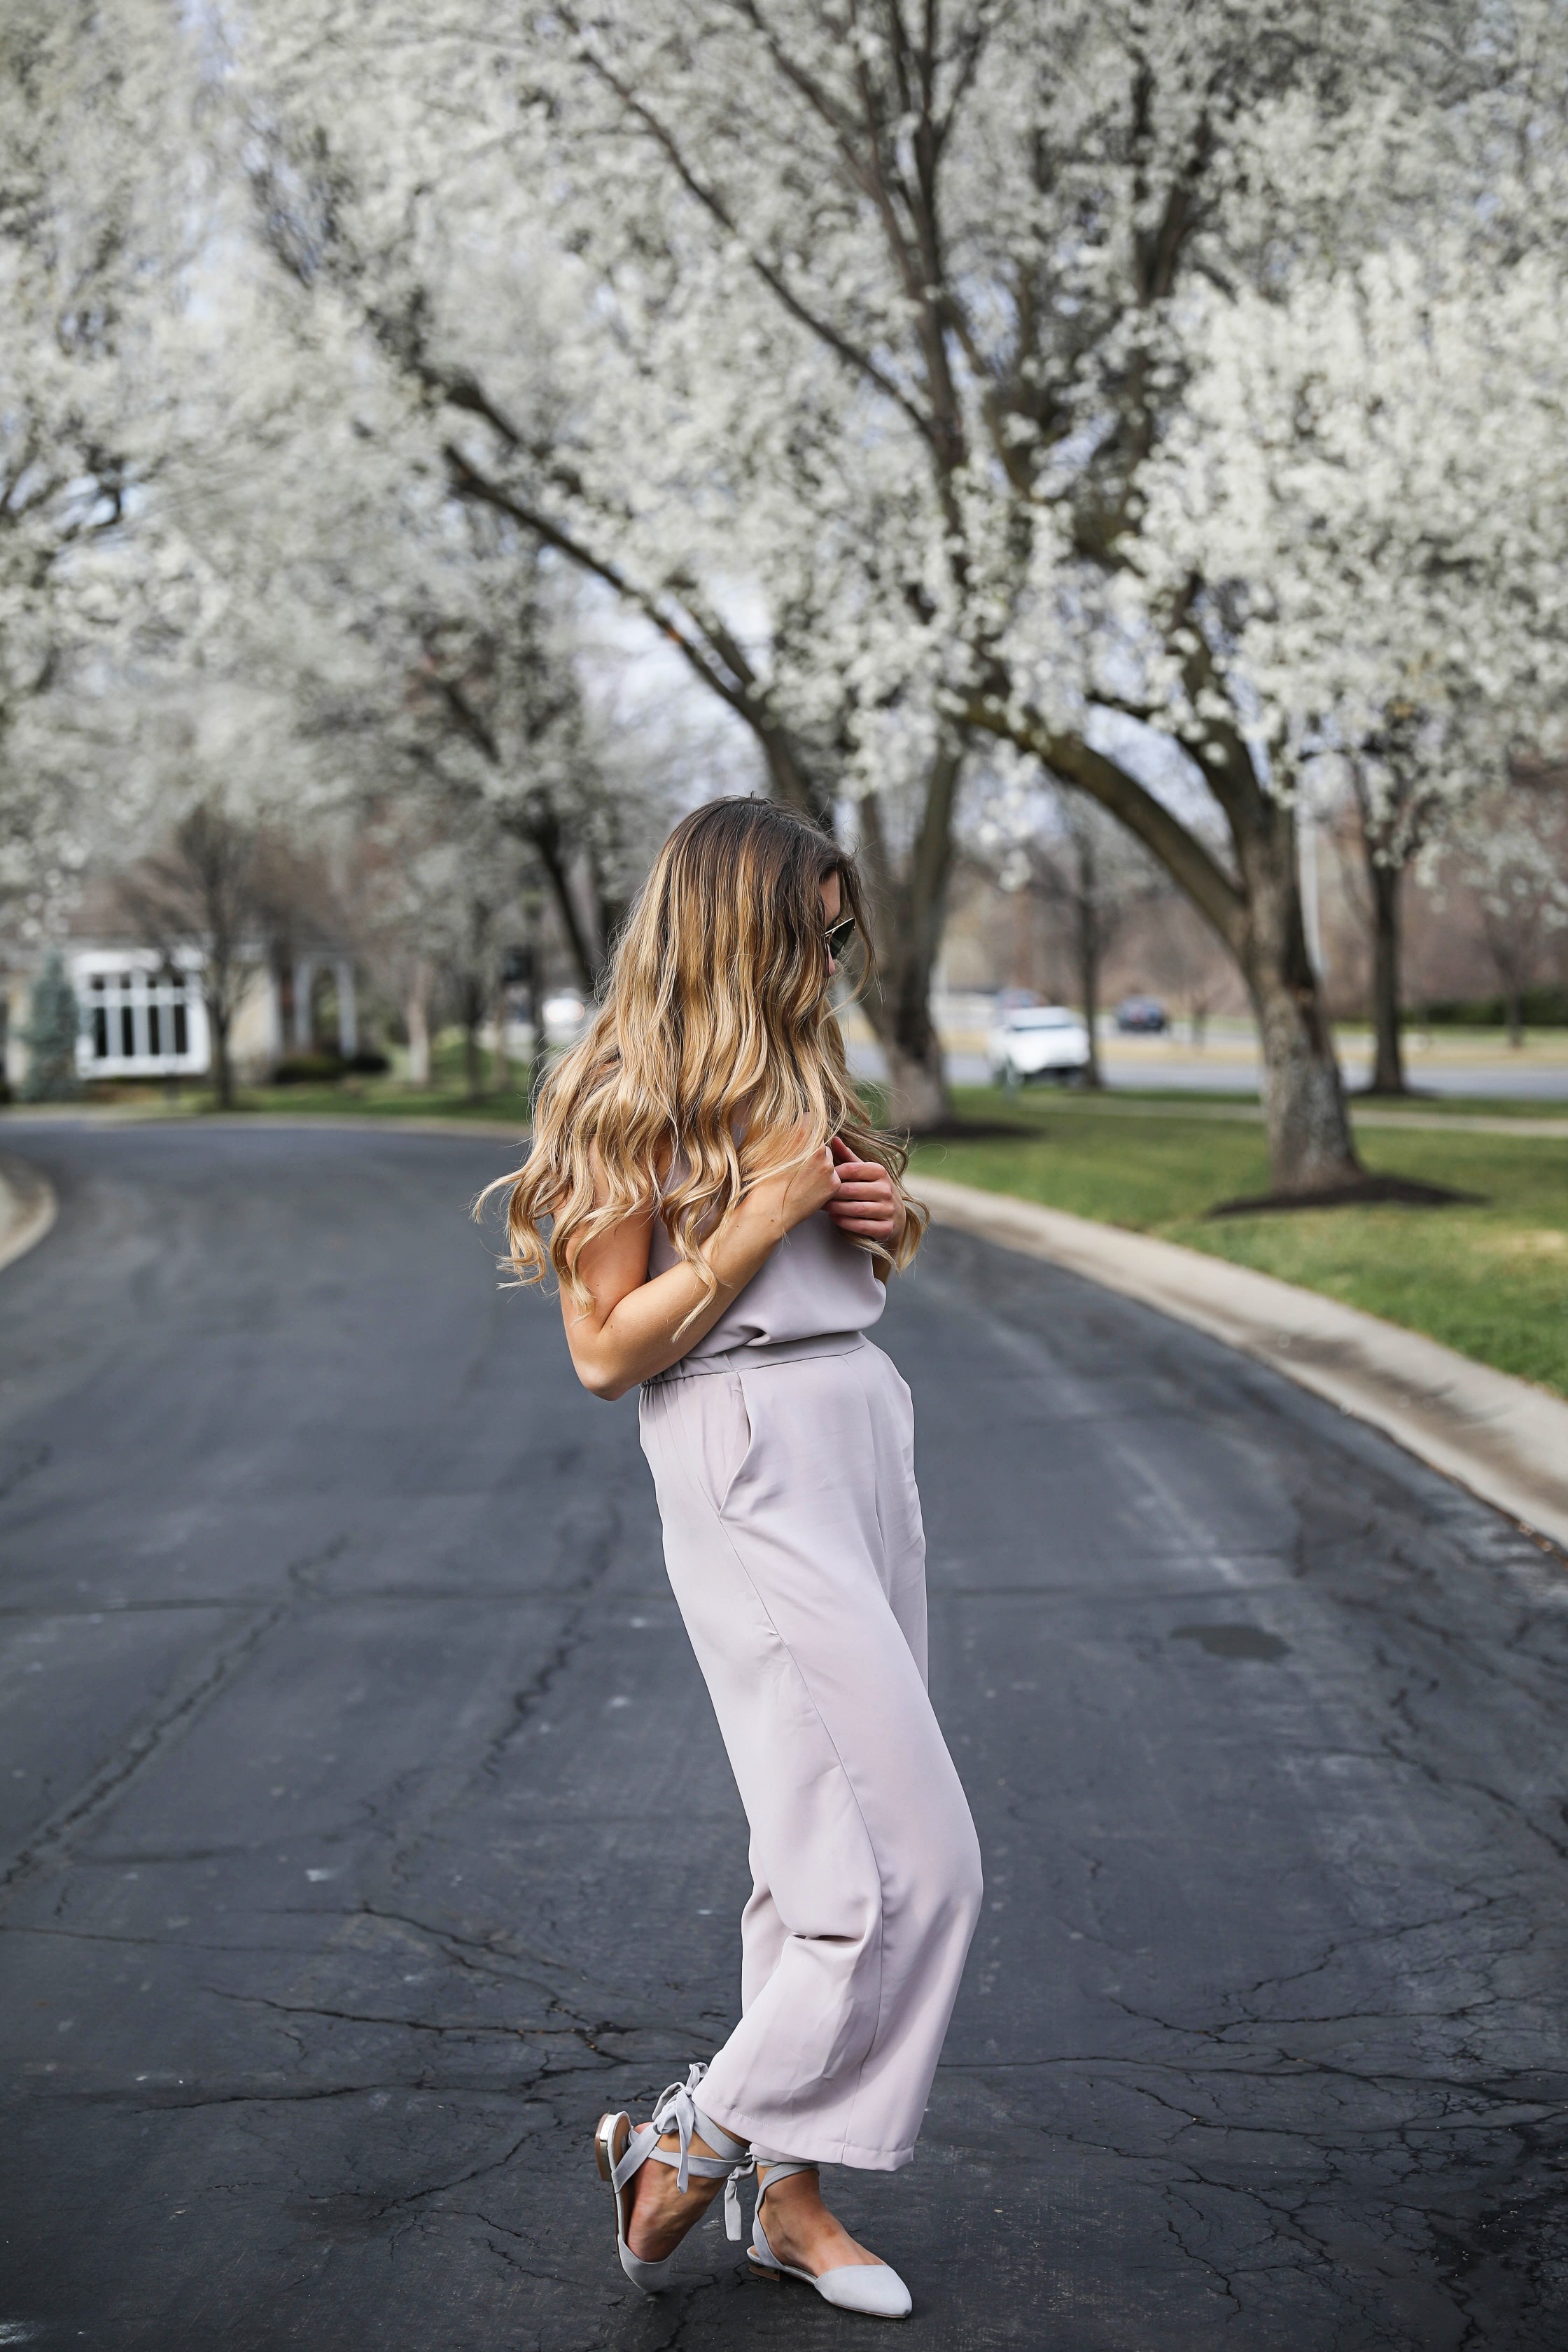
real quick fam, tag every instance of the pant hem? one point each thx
(805, 2145)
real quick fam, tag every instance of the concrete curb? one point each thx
(27, 1208)
(1502, 1438)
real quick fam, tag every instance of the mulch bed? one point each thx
(1369, 1191)
(976, 1130)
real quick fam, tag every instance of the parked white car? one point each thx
(565, 1017)
(1038, 1041)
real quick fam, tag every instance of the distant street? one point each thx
(364, 1829)
(1153, 1061)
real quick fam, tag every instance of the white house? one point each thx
(143, 1015)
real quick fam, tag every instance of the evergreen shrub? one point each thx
(50, 1036)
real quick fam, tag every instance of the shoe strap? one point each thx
(777, 2168)
(678, 2112)
(721, 2142)
(639, 2147)
(705, 2167)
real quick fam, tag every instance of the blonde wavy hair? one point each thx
(715, 1049)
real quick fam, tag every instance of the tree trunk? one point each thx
(283, 980)
(1512, 962)
(907, 913)
(1088, 949)
(501, 1060)
(791, 777)
(1310, 1146)
(533, 986)
(473, 1066)
(1021, 969)
(1258, 914)
(541, 830)
(416, 1014)
(223, 1067)
(897, 1006)
(1388, 1050)
(1255, 912)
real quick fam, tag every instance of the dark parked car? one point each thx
(1143, 1016)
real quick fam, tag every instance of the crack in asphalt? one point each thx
(472, 2031)
(50, 1843)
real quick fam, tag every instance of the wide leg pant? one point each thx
(793, 1538)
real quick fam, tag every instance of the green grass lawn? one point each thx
(392, 1096)
(395, 1098)
(1490, 1280)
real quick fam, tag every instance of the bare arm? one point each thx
(627, 1333)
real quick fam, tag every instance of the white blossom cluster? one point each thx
(1371, 472)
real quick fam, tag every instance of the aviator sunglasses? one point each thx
(839, 936)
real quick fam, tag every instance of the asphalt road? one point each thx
(1172, 1067)
(367, 1829)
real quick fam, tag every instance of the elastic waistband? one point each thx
(765, 1352)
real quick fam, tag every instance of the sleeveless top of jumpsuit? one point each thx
(817, 1284)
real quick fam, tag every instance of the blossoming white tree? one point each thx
(94, 131)
(415, 647)
(1371, 470)
(865, 375)
(754, 570)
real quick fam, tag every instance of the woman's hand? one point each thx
(867, 1202)
(781, 1200)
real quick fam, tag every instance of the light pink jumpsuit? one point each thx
(782, 1452)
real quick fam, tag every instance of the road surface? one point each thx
(367, 1829)
(1176, 1068)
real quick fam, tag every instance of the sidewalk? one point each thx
(1502, 1438)
(27, 1207)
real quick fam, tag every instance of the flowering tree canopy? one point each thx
(94, 126)
(900, 370)
(1370, 471)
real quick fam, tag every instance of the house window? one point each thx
(140, 1022)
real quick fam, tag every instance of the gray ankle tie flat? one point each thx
(621, 2152)
(874, 2289)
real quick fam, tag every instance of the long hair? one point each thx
(716, 1039)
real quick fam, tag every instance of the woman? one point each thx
(724, 1220)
